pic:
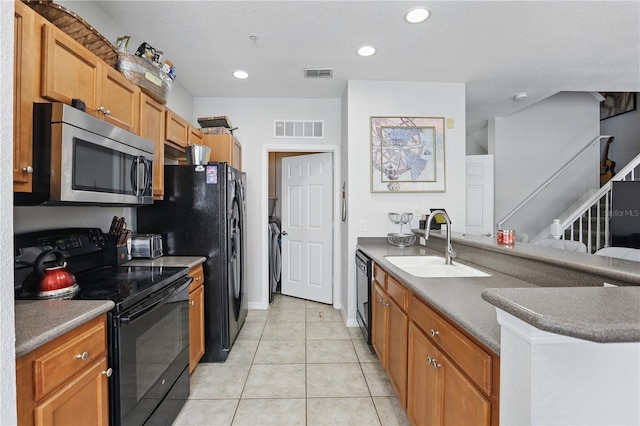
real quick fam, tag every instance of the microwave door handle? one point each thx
(145, 174)
(134, 175)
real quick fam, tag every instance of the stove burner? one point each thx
(100, 294)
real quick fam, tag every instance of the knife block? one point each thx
(112, 254)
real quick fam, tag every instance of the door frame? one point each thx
(264, 213)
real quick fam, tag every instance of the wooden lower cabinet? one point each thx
(389, 332)
(442, 375)
(439, 394)
(65, 381)
(196, 317)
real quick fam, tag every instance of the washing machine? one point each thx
(275, 260)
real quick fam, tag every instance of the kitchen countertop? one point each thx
(597, 314)
(184, 261)
(457, 298)
(41, 321)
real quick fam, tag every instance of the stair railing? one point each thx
(553, 177)
(584, 212)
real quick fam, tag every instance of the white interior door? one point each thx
(479, 182)
(307, 261)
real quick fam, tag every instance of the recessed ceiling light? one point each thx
(366, 51)
(416, 16)
(241, 74)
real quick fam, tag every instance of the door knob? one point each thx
(28, 169)
(284, 233)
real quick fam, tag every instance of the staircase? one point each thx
(589, 221)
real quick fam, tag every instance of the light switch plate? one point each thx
(449, 123)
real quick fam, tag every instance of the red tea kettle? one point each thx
(53, 281)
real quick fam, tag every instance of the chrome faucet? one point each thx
(450, 252)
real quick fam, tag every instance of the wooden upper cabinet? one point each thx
(224, 148)
(70, 71)
(194, 136)
(176, 130)
(152, 127)
(26, 90)
(119, 100)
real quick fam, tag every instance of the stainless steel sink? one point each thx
(433, 267)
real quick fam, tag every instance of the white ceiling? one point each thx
(497, 48)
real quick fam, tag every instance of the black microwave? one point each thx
(78, 159)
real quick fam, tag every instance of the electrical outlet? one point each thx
(363, 225)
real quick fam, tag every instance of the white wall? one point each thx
(380, 98)
(626, 129)
(7, 322)
(255, 118)
(531, 145)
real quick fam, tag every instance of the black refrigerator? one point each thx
(204, 214)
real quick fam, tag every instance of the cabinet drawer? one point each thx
(380, 275)
(52, 367)
(475, 362)
(198, 277)
(398, 293)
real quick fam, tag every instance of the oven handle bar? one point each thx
(176, 288)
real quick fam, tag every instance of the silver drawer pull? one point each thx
(435, 364)
(83, 356)
(429, 360)
(433, 332)
(108, 372)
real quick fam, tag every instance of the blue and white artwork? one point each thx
(407, 154)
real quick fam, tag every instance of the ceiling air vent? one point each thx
(298, 129)
(318, 73)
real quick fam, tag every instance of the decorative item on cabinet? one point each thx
(196, 317)
(68, 372)
(77, 28)
(152, 80)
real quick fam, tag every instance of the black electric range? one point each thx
(147, 331)
(85, 253)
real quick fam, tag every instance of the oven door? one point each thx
(150, 351)
(364, 267)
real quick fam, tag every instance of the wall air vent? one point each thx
(298, 129)
(318, 73)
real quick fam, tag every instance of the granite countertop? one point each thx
(41, 321)
(597, 314)
(183, 261)
(457, 298)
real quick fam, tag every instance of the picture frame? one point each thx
(407, 154)
(616, 103)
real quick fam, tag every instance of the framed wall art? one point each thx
(407, 154)
(616, 103)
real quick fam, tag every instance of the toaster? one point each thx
(148, 246)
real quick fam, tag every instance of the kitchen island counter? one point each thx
(459, 299)
(180, 261)
(41, 321)
(560, 297)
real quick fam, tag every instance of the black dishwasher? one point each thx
(364, 271)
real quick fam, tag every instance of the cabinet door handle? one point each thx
(192, 303)
(435, 364)
(104, 110)
(429, 360)
(433, 332)
(83, 356)
(28, 169)
(108, 372)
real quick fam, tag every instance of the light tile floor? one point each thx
(294, 364)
